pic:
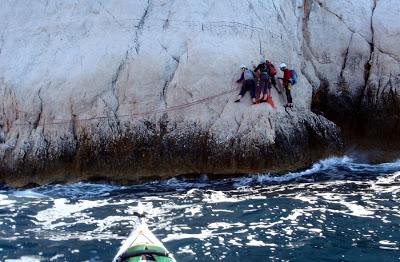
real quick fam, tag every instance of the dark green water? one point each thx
(337, 210)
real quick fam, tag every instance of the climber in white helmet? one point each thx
(248, 83)
(287, 75)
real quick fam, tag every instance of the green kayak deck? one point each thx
(153, 254)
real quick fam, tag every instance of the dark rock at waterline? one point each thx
(159, 150)
(369, 120)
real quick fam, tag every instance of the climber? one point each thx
(261, 87)
(272, 72)
(286, 79)
(248, 84)
(263, 81)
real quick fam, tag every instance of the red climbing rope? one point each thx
(172, 108)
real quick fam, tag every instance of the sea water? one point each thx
(337, 210)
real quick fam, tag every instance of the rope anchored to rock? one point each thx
(138, 114)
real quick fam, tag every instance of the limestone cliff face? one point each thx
(135, 89)
(352, 61)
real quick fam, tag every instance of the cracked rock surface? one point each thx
(129, 90)
(352, 63)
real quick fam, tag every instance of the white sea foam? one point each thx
(218, 197)
(330, 164)
(186, 250)
(315, 230)
(32, 258)
(63, 209)
(224, 225)
(57, 257)
(28, 194)
(294, 215)
(235, 241)
(194, 211)
(309, 199)
(105, 224)
(203, 235)
(258, 225)
(223, 210)
(5, 201)
(357, 210)
(257, 243)
(154, 198)
(321, 165)
(388, 243)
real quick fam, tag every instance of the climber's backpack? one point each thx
(248, 74)
(293, 78)
(263, 68)
(271, 69)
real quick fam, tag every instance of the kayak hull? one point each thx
(143, 246)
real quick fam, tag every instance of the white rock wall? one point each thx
(344, 41)
(72, 60)
(63, 63)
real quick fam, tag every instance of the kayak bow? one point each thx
(142, 245)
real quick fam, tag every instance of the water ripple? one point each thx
(337, 209)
